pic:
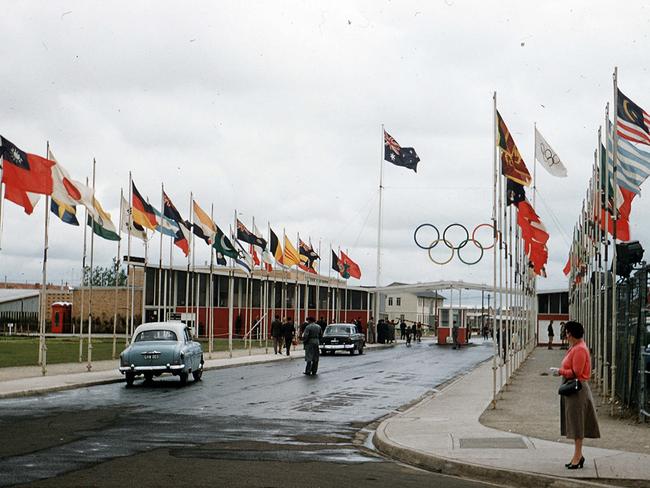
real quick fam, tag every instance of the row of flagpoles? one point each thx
(621, 165)
(24, 177)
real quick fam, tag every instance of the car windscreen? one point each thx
(155, 335)
(337, 329)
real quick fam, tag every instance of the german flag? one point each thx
(291, 256)
(142, 212)
(276, 247)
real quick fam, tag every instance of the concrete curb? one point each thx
(118, 378)
(478, 472)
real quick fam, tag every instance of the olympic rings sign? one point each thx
(454, 248)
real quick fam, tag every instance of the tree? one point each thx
(101, 276)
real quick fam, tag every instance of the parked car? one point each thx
(342, 337)
(162, 347)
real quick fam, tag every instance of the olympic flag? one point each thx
(547, 157)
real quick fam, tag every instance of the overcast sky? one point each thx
(275, 109)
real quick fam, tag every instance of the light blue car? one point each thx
(162, 347)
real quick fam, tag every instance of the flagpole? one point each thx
(169, 297)
(43, 304)
(1, 198)
(597, 306)
(329, 283)
(83, 282)
(117, 270)
(318, 283)
(494, 253)
(605, 259)
(379, 220)
(615, 221)
(89, 366)
(160, 256)
(212, 251)
(187, 275)
(144, 277)
(130, 269)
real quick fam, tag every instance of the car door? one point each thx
(195, 347)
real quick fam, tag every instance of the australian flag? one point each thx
(400, 156)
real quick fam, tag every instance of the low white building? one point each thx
(411, 306)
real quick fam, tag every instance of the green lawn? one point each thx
(23, 351)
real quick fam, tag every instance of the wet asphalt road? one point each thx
(266, 425)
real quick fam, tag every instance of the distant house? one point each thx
(18, 307)
(411, 306)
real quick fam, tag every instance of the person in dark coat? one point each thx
(321, 322)
(402, 330)
(276, 333)
(414, 332)
(551, 335)
(407, 333)
(311, 339)
(357, 323)
(288, 333)
(381, 331)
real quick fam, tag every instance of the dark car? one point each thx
(342, 337)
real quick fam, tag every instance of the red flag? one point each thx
(567, 267)
(256, 258)
(623, 220)
(20, 197)
(23, 171)
(353, 268)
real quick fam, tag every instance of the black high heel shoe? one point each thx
(580, 464)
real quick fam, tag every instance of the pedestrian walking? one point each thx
(321, 322)
(276, 333)
(414, 332)
(407, 335)
(391, 331)
(311, 340)
(370, 331)
(357, 323)
(381, 331)
(402, 330)
(551, 334)
(288, 333)
(578, 418)
(563, 335)
(454, 335)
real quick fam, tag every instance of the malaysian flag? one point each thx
(633, 122)
(399, 156)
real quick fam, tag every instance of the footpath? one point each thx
(29, 380)
(443, 433)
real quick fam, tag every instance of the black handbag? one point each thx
(570, 387)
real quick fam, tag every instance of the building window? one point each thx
(390, 301)
(398, 301)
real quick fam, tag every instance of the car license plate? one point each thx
(151, 355)
(335, 341)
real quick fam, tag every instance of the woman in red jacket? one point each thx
(578, 418)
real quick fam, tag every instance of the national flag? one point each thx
(133, 228)
(142, 212)
(203, 227)
(243, 259)
(352, 267)
(633, 163)
(22, 198)
(245, 235)
(291, 256)
(623, 216)
(633, 123)
(512, 165)
(224, 246)
(165, 225)
(181, 238)
(65, 212)
(276, 248)
(337, 265)
(24, 171)
(68, 193)
(101, 223)
(547, 157)
(307, 257)
(266, 256)
(253, 253)
(400, 156)
(515, 192)
(567, 267)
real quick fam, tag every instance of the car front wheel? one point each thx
(197, 374)
(183, 377)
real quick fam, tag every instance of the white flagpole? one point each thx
(379, 220)
(159, 317)
(187, 275)
(2, 198)
(494, 255)
(144, 278)
(605, 266)
(212, 251)
(43, 304)
(117, 272)
(89, 366)
(82, 315)
(615, 221)
(329, 298)
(130, 270)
